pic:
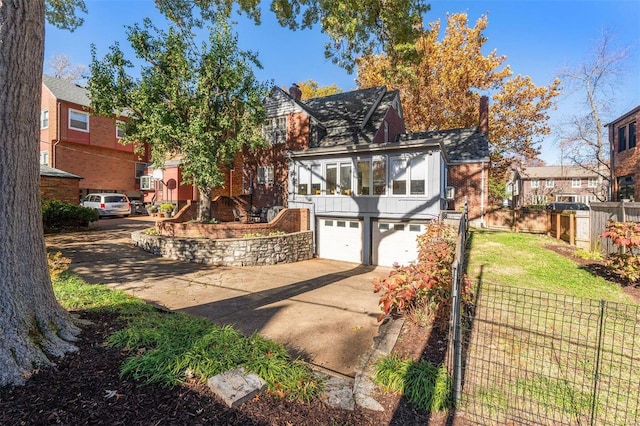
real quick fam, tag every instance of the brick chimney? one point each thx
(483, 123)
(295, 91)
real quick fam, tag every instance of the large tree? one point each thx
(33, 326)
(60, 66)
(595, 81)
(199, 102)
(441, 90)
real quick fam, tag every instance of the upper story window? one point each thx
(275, 130)
(592, 183)
(622, 140)
(372, 176)
(78, 120)
(44, 119)
(576, 183)
(535, 183)
(632, 135)
(119, 129)
(549, 183)
(44, 158)
(398, 176)
(265, 175)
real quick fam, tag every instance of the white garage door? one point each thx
(395, 242)
(340, 239)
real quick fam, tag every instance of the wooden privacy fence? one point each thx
(601, 213)
(535, 221)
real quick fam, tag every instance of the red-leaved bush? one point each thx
(626, 235)
(426, 284)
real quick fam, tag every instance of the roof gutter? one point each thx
(367, 148)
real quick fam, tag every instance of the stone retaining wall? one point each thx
(288, 248)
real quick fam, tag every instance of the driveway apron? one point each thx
(324, 311)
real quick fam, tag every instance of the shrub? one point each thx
(625, 263)
(58, 215)
(425, 284)
(166, 207)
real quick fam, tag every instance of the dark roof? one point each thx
(623, 116)
(51, 172)
(462, 145)
(66, 90)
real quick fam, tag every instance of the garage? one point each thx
(340, 239)
(395, 242)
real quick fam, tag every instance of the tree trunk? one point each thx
(34, 328)
(204, 207)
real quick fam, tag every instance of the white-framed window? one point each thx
(44, 157)
(338, 178)
(265, 175)
(78, 120)
(398, 170)
(119, 129)
(275, 130)
(316, 179)
(537, 199)
(371, 176)
(549, 183)
(576, 183)
(304, 180)
(592, 183)
(535, 183)
(417, 175)
(44, 119)
(146, 182)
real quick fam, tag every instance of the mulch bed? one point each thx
(86, 388)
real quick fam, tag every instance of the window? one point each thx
(44, 119)
(535, 183)
(345, 178)
(576, 183)
(622, 141)
(538, 199)
(417, 172)
(119, 129)
(316, 180)
(275, 130)
(363, 170)
(265, 175)
(398, 176)
(386, 131)
(549, 183)
(379, 177)
(626, 187)
(304, 178)
(78, 120)
(146, 183)
(632, 135)
(592, 183)
(331, 178)
(140, 168)
(44, 158)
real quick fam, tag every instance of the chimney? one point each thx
(295, 91)
(483, 124)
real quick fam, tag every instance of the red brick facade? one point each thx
(625, 159)
(468, 181)
(95, 155)
(59, 189)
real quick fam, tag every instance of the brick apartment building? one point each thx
(625, 157)
(74, 140)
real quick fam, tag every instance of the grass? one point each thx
(537, 336)
(169, 348)
(521, 260)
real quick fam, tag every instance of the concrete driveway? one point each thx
(324, 311)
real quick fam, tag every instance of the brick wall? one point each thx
(626, 162)
(467, 180)
(60, 189)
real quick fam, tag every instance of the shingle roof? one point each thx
(66, 90)
(51, 172)
(556, 172)
(462, 145)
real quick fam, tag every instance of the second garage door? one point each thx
(395, 242)
(340, 239)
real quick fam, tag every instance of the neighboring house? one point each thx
(74, 140)
(544, 184)
(58, 185)
(370, 186)
(625, 156)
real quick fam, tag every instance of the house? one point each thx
(370, 186)
(625, 157)
(543, 184)
(58, 185)
(74, 140)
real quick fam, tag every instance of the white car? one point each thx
(108, 204)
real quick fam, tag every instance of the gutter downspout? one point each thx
(482, 194)
(54, 160)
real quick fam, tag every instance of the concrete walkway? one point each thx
(324, 311)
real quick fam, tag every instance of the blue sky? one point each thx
(539, 38)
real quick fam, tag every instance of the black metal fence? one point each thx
(530, 357)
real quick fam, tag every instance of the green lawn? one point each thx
(521, 260)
